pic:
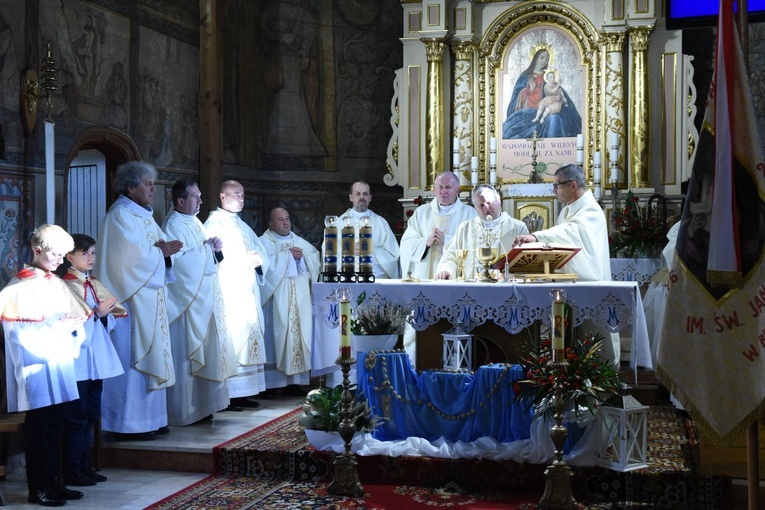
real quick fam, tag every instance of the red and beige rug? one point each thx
(273, 467)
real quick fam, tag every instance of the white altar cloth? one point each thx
(634, 270)
(513, 306)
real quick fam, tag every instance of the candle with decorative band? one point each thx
(365, 246)
(558, 324)
(345, 326)
(330, 244)
(349, 242)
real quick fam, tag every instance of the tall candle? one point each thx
(613, 139)
(345, 328)
(455, 144)
(614, 175)
(614, 156)
(456, 160)
(559, 329)
(493, 177)
(580, 140)
(597, 158)
(493, 158)
(579, 157)
(597, 192)
(474, 178)
(474, 162)
(597, 172)
(493, 144)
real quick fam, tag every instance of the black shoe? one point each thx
(245, 402)
(139, 436)
(236, 409)
(206, 418)
(93, 475)
(162, 431)
(59, 490)
(76, 480)
(269, 394)
(45, 497)
(294, 390)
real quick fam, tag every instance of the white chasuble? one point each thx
(131, 265)
(504, 228)
(196, 295)
(288, 287)
(415, 252)
(385, 250)
(582, 224)
(240, 284)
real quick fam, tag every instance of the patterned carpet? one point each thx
(274, 467)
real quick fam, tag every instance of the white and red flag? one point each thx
(711, 352)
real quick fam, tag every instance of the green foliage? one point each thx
(378, 318)
(323, 410)
(588, 380)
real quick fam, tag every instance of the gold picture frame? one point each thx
(538, 213)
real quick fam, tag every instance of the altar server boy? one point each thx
(98, 360)
(43, 325)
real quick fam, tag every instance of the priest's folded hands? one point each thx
(169, 247)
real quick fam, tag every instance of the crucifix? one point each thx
(534, 178)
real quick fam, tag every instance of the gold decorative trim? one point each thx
(640, 118)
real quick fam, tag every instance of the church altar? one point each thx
(512, 306)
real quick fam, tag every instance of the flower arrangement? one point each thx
(375, 317)
(321, 410)
(636, 233)
(587, 381)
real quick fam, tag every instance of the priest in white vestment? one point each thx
(202, 352)
(286, 295)
(492, 225)
(134, 263)
(581, 223)
(432, 226)
(241, 272)
(384, 244)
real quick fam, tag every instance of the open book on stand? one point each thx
(539, 260)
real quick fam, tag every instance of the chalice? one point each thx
(486, 255)
(461, 255)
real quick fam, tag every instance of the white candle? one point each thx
(579, 157)
(456, 159)
(474, 162)
(474, 177)
(597, 192)
(493, 177)
(345, 329)
(596, 158)
(456, 144)
(493, 144)
(614, 175)
(580, 140)
(558, 325)
(493, 158)
(613, 140)
(597, 173)
(614, 155)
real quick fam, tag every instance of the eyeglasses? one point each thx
(556, 184)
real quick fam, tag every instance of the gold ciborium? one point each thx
(460, 255)
(486, 255)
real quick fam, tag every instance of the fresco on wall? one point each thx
(16, 223)
(167, 124)
(11, 48)
(90, 47)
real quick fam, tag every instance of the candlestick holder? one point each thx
(346, 479)
(558, 494)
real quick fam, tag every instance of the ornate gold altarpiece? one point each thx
(459, 57)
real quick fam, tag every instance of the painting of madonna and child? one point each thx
(541, 89)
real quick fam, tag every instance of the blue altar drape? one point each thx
(458, 406)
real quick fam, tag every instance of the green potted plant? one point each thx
(322, 415)
(376, 324)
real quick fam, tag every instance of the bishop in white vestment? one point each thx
(132, 264)
(384, 245)
(286, 295)
(241, 273)
(202, 352)
(432, 226)
(492, 225)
